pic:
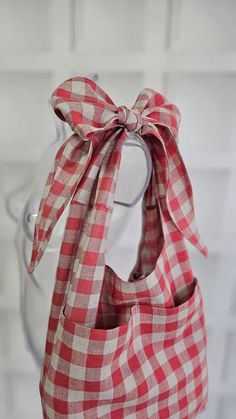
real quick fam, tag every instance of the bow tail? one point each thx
(180, 198)
(70, 164)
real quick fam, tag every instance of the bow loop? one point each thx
(157, 112)
(92, 115)
(84, 106)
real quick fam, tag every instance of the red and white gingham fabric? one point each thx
(115, 348)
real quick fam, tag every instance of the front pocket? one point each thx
(78, 347)
(169, 323)
(85, 363)
(172, 345)
(179, 329)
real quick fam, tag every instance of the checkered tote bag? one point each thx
(115, 348)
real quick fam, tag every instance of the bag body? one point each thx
(115, 348)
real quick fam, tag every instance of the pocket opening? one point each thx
(190, 303)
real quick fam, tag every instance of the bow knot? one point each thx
(129, 118)
(89, 111)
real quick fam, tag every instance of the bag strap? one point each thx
(88, 269)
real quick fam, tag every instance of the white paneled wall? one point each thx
(186, 50)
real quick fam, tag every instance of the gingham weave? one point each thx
(115, 348)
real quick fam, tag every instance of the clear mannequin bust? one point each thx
(36, 290)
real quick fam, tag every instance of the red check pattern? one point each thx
(115, 348)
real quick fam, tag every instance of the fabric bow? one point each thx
(89, 111)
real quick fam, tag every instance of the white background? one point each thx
(184, 49)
